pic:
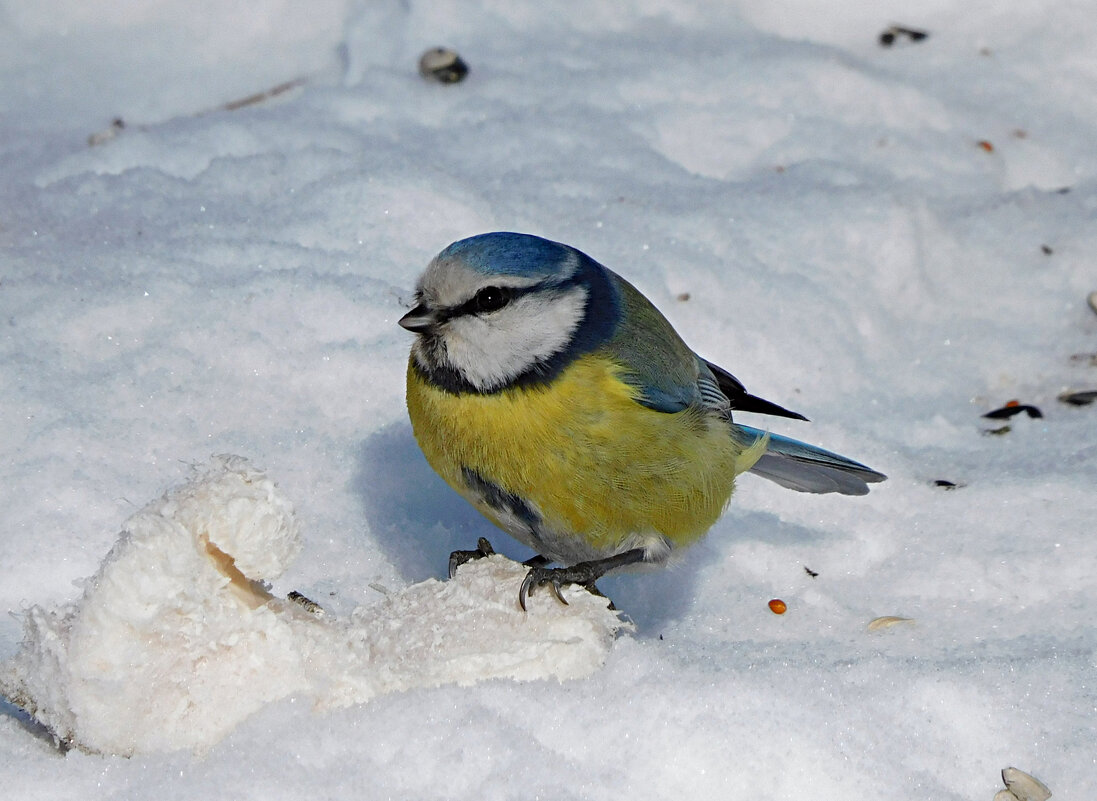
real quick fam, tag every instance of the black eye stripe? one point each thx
(475, 304)
(489, 299)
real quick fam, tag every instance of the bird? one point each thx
(556, 399)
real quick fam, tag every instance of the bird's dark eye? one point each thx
(490, 298)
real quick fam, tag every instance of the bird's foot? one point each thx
(458, 558)
(554, 578)
(582, 573)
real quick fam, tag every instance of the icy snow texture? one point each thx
(230, 282)
(175, 641)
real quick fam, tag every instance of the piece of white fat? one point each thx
(175, 640)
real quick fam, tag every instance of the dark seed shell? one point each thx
(442, 65)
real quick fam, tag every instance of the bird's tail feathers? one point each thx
(804, 467)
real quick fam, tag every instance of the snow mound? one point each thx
(177, 638)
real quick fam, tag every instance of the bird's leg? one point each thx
(581, 573)
(458, 558)
(540, 560)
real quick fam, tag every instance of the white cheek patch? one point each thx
(491, 350)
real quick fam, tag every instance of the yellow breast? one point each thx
(589, 458)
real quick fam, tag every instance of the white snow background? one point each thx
(215, 280)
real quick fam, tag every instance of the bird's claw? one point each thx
(458, 558)
(539, 576)
(554, 578)
(584, 574)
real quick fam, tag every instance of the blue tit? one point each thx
(556, 399)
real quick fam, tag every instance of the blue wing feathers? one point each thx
(669, 377)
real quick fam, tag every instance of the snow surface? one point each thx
(212, 280)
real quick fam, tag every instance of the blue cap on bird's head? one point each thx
(507, 253)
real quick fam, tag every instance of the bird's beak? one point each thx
(419, 320)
